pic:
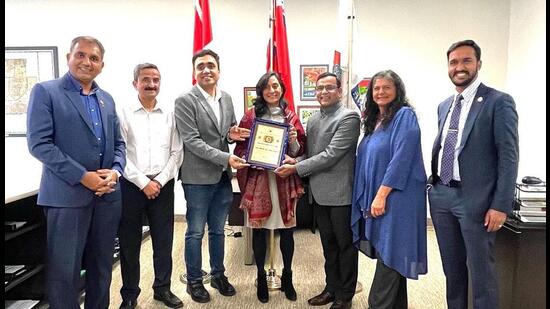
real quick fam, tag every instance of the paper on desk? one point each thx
(20, 304)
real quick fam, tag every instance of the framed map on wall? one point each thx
(24, 67)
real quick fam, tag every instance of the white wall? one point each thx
(409, 37)
(526, 81)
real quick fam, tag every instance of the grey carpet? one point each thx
(427, 292)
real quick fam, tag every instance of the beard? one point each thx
(463, 83)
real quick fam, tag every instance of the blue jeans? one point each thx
(206, 204)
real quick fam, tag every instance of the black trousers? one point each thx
(340, 253)
(160, 214)
(389, 288)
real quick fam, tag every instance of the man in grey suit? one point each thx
(474, 169)
(206, 123)
(332, 136)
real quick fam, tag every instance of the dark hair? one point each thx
(371, 112)
(204, 52)
(90, 40)
(143, 66)
(470, 43)
(260, 105)
(327, 74)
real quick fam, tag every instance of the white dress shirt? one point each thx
(468, 97)
(153, 145)
(213, 101)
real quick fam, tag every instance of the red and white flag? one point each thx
(203, 28)
(279, 48)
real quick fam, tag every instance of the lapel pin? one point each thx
(480, 99)
(103, 104)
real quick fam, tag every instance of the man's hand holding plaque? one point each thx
(267, 144)
(288, 168)
(237, 163)
(238, 134)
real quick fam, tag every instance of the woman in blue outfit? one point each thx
(389, 198)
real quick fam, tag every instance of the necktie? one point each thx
(447, 160)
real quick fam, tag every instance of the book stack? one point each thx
(530, 202)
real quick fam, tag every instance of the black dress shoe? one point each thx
(198, 292)
(169, 299)
(341, 304)
(322, 299)
(222, 284)
(128, 304)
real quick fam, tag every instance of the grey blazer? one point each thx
(206, 149)
(332, 136)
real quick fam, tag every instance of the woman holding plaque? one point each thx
(389, 193)
(270, 201)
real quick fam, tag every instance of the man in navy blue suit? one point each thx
(474, 169)
(74, 131)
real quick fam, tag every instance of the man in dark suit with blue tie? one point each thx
(74, 131)
(474, 169)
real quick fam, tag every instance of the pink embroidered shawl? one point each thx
(254, 183)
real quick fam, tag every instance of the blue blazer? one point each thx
(489, 150)
(60, 135)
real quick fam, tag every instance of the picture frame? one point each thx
(308, 78)
(249, 95)
(267, 143)
(24, 67)
(306, 111)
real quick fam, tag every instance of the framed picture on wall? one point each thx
(306, 111)
(308, 77)
(24, 67)
(249, 94)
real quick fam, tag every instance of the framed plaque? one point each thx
(267, 143)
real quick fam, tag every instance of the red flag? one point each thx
(336, 68)
(203, 28)
(281, 62)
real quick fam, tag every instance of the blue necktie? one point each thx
(448, 158)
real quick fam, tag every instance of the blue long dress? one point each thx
(392, 156)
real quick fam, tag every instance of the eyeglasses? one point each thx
(328, 88)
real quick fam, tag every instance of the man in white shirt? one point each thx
(153, 157)
(474, 169)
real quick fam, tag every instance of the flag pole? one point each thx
(351, 17)
(271, 28)
(273, 281)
